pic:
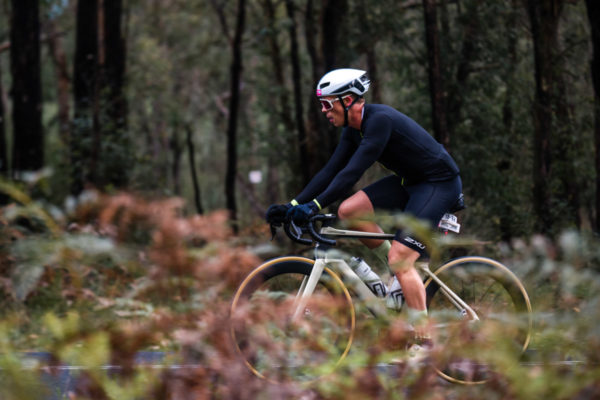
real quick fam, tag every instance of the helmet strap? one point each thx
(347, 108)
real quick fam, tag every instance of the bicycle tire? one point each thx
(274, 348)
(501, 302)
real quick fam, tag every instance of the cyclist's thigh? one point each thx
(388, 194)
(429, 201)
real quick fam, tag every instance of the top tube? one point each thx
(296, 232)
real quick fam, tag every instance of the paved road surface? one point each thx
(61, 379)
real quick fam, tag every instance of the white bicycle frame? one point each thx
(336, 263)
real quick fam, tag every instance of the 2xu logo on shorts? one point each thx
(413, 242)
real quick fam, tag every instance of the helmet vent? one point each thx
(343, 80)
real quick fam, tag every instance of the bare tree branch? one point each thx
(220, 10)
(220, 102)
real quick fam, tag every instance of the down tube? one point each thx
(375, 304)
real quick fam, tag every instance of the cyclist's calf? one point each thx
(402, 261)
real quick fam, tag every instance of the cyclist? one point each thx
(425, 180)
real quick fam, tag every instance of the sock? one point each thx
(418, 319)
(382, 251)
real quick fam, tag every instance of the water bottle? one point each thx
(394, 297)
(368, 276)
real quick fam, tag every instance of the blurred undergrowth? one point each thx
(106, 277)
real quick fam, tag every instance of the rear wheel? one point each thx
(275, 347)
(473, 349)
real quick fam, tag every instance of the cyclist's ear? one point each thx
(348, 100)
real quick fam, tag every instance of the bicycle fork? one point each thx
(307, 288)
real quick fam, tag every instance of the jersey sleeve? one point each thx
(375, 138)
(321, 180)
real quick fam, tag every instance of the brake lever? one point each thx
(273, 231)
(296, 234)
(326, 219)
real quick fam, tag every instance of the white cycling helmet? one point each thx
(342, 81)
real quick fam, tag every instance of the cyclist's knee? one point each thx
(402, 257)
(345, 210)
(354, 206)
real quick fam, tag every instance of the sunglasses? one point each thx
(328, 104)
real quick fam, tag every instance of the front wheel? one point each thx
(473, 349)
(276, 347)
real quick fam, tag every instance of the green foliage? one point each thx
(105, 293)
(16, 382)
(33, 255)
(178, 81)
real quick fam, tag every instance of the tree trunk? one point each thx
(3, 149)
(114, 63)
(565, 149)
(333, 14)
(28, 142)
(192, 161)
(281, 103)
(321, 136)
(297, 80)
(278, 68)
(367, 44)
(84, 133)
(310, 34)
(468, 54)
(436, 87)
(234, 102)
(544, 16)
(375, 87)
(332, 40)
(316, 126)
(593, 11)
(506, 204)
(114, 104)
(63, 80)
(511, 66)
(4, 199)
(115, 164)
(177, 152)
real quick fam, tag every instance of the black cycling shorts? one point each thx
(428, 201)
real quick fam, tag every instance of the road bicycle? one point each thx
(295, 317)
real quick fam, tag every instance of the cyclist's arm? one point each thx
(321, 180)
(375, 138)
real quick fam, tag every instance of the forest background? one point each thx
(186, 98)
(212, 102)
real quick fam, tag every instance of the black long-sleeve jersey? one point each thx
(389, 137)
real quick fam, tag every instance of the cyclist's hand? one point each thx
(276, 213)
(301, 214)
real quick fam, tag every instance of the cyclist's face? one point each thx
(333, 110)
